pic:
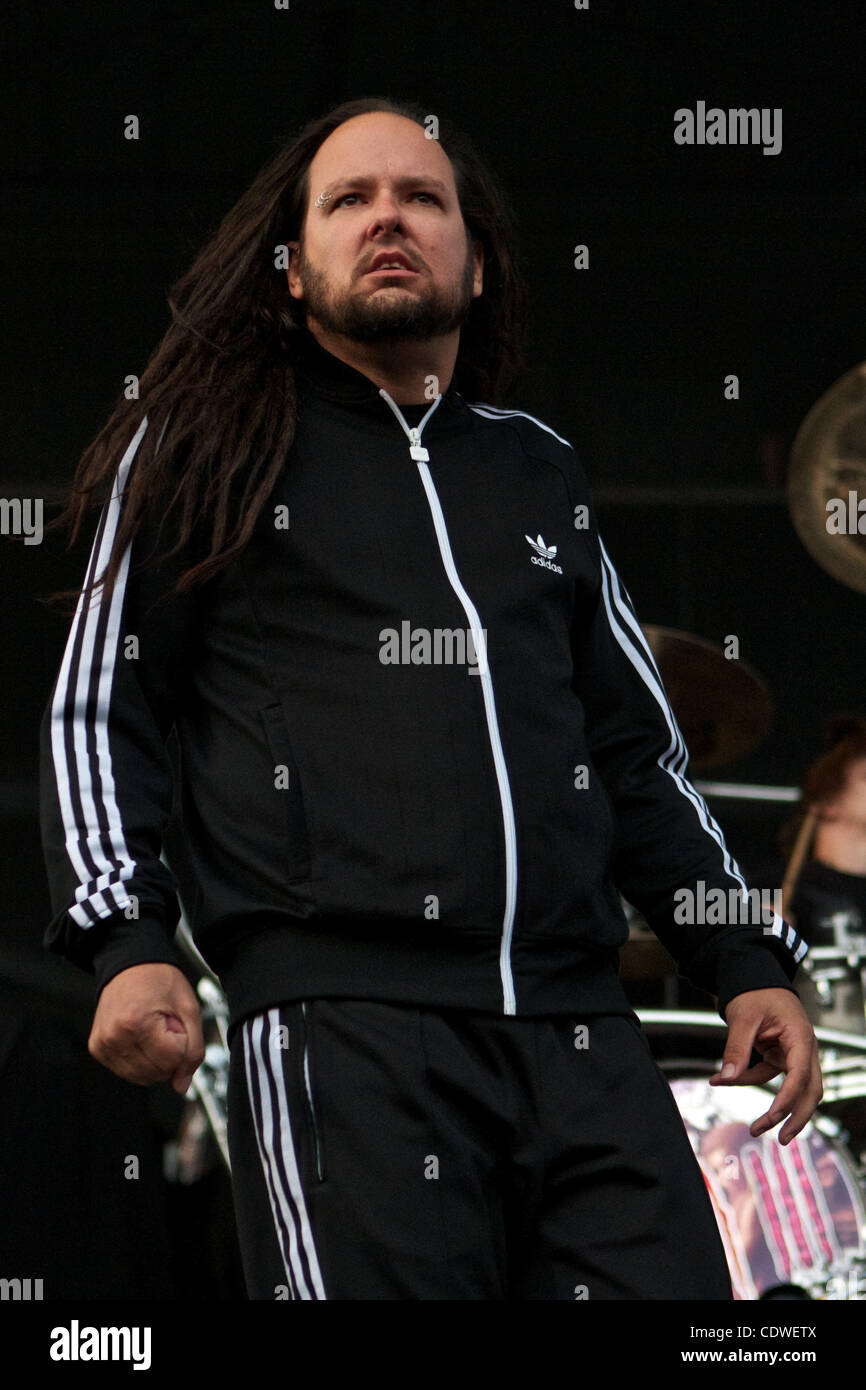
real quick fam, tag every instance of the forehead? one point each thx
(378, 145)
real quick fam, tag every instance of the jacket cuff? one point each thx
(740, 970)
(141, 942)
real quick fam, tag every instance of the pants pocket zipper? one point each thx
(309, 1091)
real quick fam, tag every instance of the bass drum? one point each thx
(789, 1214)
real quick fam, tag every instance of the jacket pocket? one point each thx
(310, 1077)
(286, 784)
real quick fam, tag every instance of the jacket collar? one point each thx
(336, 379)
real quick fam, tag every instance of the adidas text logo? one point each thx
(544, 554)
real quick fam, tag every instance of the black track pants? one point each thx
(388, 1151)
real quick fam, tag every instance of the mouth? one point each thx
(396, 272)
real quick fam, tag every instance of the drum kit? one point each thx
(792, 1218)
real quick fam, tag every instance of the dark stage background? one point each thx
(703, 261)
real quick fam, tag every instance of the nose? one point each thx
(384, 212)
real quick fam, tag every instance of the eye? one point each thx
(422, 193)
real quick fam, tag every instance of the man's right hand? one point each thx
(147, 1026)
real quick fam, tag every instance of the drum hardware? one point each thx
(844, 1078)
(184, 939)
(188, 1158)
(209, 1089)
(832, 984)
(703, 1021)
(790, 1216)
(210, 1082)
(836, 962)
(678, 1066)
(843, 1054)
(747, 791)
(849, 1088)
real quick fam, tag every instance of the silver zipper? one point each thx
(309, 1089)
(422, 457)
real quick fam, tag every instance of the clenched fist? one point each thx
(147, 1027)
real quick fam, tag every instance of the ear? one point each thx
(478, 252)
(292, 276)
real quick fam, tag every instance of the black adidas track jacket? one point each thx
(424, 744)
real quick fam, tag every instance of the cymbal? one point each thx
(722, 705)
(828, 464)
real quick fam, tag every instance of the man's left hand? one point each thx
(774, 1023)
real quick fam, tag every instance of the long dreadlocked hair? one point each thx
(219, 390)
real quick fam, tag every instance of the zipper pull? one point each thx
(416, 448)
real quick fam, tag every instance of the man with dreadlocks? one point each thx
(424, 746)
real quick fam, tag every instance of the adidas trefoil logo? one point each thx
(544, 553)
(548, 551)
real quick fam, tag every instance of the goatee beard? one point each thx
(369, 320)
